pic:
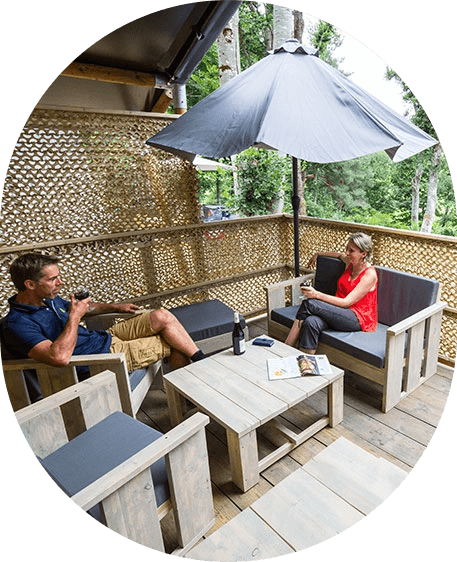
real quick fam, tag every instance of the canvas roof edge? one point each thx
(135, 67)
(168, 44)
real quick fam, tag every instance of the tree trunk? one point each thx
(283, 29)
(429, 217)
(299, 25)
(283, 25)
(228, 50)
(415, 198)
(228, 53)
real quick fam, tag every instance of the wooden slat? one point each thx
(393, 371)
(112, 75)
(255, 372)
(413, 366)
(131, 511)
(246, 538)
(215, 404)
(304, 512)
(357, 476)
(45, 433)
(17, 388)
(190, 486)
(246, 394)
(433, 345)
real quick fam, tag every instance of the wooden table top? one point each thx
(235, 391)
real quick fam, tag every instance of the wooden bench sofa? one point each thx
(400, 355)
(209, 323)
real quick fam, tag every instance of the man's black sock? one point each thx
(198, 356)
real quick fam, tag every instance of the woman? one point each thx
(353, 308)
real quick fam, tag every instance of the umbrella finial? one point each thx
(294, 46)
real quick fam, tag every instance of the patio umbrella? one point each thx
(293, 102)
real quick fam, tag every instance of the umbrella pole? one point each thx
(296, 207)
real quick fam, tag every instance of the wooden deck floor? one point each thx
(400, 436)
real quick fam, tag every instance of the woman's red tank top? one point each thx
(366, 309)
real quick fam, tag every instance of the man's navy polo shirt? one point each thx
(25, 326)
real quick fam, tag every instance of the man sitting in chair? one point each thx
(45, 327)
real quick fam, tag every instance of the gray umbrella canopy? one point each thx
(293, 102)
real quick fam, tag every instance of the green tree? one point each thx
(261, 175)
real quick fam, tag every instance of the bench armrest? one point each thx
(415, 319)
(75, 361)
(276, 293)
(53, 379)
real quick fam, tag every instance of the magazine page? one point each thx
(323, 365)
(297, 366)
(282, 368)
(307, 365)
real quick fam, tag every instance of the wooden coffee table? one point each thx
(234, 390)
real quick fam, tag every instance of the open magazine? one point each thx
(298, 366)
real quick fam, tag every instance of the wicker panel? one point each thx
(76, 174)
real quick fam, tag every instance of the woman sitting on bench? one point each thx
(353, 308)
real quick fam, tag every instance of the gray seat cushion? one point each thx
(369, 347)
(207, 319)
(135, 377)
(285, 315)
(101, 448)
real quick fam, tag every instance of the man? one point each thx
(47, 328)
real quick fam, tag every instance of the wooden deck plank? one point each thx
(247, 538)
(386, 438)
(425, 403)
(357, 476)
(318, 513)
(396, 419)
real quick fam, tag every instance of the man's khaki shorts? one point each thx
(135, 338)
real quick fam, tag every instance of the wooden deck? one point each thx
(400, 436)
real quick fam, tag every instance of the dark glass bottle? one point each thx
(239, 343)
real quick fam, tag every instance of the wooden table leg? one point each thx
(244, 459)
(175, 405)
(335, 402)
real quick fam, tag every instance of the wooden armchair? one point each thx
(400, 355)
(21, 373)
(111, 464)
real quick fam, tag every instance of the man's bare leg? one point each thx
(175, 335)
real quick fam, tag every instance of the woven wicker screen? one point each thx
(76, 174)
(124, 219)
